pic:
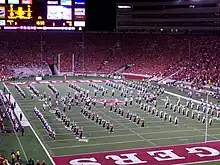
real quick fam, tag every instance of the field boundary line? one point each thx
(133, 149)
(41, 143)
(183, 97)
(98, 144)
(22, 148)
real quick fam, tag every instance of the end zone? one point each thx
(166, 155)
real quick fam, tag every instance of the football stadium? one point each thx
(143, 88)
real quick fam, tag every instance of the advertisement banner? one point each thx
(2, 12)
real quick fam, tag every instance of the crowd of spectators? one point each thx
(196, 57)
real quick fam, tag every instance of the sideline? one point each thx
(34, 134)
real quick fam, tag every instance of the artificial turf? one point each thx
(126, 134)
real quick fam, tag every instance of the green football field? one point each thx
(127, 135)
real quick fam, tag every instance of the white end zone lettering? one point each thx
(127, 160)
(165, 155)
(84, 161)
(205, 151)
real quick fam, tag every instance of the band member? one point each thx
(104, 103)
(77, 131)
(193, 115)
(161, 114)
(130, 117)
(127, 115)
(111, 128)
(142, 122)
(81, 133)
(145, 107)
(69, 107)
(174, 108)
(142, 106)
(119, 111)
(153, 111)
(218, 114)
(176, 121)
(187, 103)
(203, 119)
(122, 112)
(197, 107)
(192, 105)
(178, 102)
(135, 118)
(113, 92)
(138, 120)
(157, 113)
(131, 101)
(170, 118)
(126, 102)
(103, 123)
(187, 113)
(179, 109)
(210, 122)
(171, 106)
(100, 121)
(97, 119)
(165, 116)
(93, 116)
(107, 125)
(198, 117)
(149, 109)
(183, 111)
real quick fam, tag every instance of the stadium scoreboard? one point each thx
(46, 15)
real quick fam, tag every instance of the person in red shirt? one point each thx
(1, 159)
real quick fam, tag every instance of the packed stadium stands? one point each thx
(196, 55)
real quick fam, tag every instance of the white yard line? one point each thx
(37, 136)
(98, 144)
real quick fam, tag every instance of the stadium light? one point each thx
(124, 7)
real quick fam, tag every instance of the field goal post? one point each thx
(59, 56)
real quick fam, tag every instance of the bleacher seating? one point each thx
(196, 55)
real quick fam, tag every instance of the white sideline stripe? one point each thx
(36, 136)
(54, 148)
(134, 149)
(22, 148)
(183, 97)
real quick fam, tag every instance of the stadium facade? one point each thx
(170, 16)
